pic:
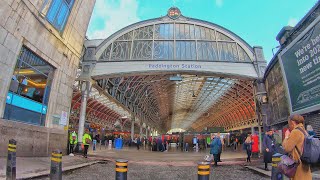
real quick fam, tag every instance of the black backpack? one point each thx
(311, 149)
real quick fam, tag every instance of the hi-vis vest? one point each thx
(86, 136)
(73, 138)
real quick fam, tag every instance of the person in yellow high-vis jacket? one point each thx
(73, 139)
(86, 140)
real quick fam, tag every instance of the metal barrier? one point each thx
(275, 173)
(203, 170)
(11, 160)
(56, 165)
(121, 169)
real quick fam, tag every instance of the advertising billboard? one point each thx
(300, 64)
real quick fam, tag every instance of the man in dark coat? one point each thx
(268, 147)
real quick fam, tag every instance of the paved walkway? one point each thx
(260, 169)
(38, 166)
(28, 167)
(133, 154)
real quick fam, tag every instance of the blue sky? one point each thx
(256, 21)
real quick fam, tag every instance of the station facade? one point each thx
(172, 72)
(41, 44)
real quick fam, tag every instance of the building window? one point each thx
(59, 12)
(29, 90)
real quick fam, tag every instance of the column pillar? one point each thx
(260, 138)
(85, 92)
(132, 128)
(141, 124)
(252, 130)
(147, 131)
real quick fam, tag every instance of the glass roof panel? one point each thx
(211, 45)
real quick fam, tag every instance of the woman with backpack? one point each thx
(293, 144)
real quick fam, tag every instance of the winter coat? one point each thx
(312, 133)
(255, 145)
(215, 146)
(268, 142)
(296, 139)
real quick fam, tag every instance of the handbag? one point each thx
(88, 141)
(288, 166)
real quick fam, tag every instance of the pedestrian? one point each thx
(248, 147)
(310, 131)
(255, 145)
(97, 137)
(73, 141)
(293, 144)
(86, 140)
(268, 147)
(236, 143)
(220, 149)
(138, 142)
(215, 147)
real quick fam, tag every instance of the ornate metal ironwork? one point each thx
(174, 41)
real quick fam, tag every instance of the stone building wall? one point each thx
(23, 24)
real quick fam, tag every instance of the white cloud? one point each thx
(114, 15)
(219, 3)
(292, 22)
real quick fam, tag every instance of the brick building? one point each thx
(41, 43)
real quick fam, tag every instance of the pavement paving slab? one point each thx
(28, 167)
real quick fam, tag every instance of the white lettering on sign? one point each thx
(174, 66)
(308, 55)
(306, 67)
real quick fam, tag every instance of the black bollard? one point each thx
(275, 173)
(121, 169)
(11, 160)
(56, 165)
(203, 170)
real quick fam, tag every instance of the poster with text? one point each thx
(300, 63)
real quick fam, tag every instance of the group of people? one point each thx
(86, 141)
(292, 144)
(157, 144)
(251, 145)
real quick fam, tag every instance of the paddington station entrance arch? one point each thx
(171, 72)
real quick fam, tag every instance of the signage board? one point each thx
(300, 64)
(63, 118)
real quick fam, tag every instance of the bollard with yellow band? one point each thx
(121, 169)
(276, 174)
(56, 165)
(11, 160)
(203, 170)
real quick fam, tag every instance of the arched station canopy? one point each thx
(177, 72)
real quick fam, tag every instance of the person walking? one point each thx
(268, 148)
(86, 140)
(215, 147)
(255, 145)
(138, 142)
(236, 144)
(248, 147)
(73, 141)
(293, 144)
